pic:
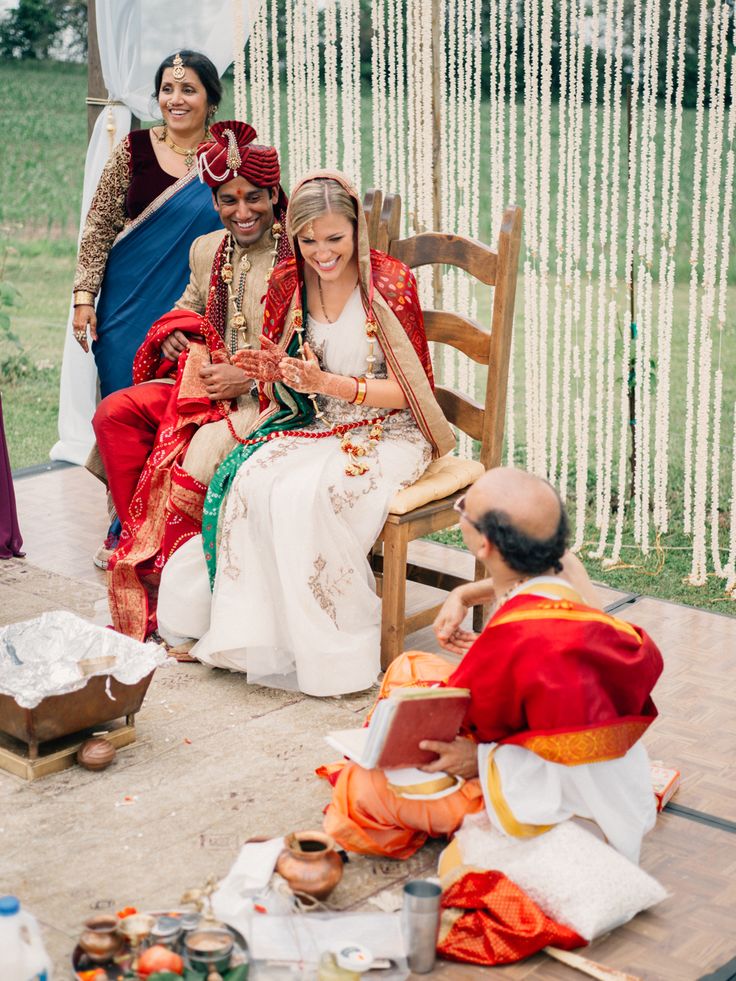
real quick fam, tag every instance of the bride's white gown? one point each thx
(294, 601)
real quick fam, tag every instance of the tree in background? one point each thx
(34, 27)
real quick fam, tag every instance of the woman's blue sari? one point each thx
(146, 273)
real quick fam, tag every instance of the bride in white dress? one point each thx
(294, 602)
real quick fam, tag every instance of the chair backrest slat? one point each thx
(484, 423)
(459, 332)
(502, 322)
(461, 411)
(372, 203)
(454, 250)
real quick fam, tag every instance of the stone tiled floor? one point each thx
(217, 759)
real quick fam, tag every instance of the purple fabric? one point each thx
(11, 542)
(147, 179)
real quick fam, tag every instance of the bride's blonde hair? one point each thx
(315, 199)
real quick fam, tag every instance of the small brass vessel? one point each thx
(310, 863)
(137, 927)
(100, 939)
(209, 949)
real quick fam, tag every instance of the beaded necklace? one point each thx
(506, 594)
(238, 323)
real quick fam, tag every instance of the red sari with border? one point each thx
(164, 486)
(166, 509)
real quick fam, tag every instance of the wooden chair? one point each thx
(427, 505)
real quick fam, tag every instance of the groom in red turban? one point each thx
(160, 444)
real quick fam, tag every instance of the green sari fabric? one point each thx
(294, 412)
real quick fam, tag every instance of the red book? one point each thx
(399, 723)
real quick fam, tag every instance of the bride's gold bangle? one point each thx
(362, 391)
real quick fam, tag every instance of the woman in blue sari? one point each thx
(147, 210)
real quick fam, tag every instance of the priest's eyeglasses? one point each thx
(459, 506)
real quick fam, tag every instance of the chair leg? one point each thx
(393, 604)
(480, 613)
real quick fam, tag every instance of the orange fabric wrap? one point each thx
(366, 816)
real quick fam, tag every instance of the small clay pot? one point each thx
(310, 863)
(100, 939)
(95, 754)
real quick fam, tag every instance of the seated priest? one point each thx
(161, 439)
(560, 697)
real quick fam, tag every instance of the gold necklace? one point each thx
(322, 299)
(188, 153)
(238, 324)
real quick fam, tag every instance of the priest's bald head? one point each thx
(517, 519)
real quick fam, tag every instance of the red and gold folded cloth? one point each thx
(488, 919)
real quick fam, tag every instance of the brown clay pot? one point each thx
(95, 754)
(100, 939)
(310, 863)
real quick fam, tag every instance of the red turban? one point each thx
(232, 153)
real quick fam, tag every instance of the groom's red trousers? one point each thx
(125, 424)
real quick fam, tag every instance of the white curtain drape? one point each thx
(134, 36)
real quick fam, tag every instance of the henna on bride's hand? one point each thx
(261, 365)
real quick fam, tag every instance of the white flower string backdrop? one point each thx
(600, 311)
(473, 104)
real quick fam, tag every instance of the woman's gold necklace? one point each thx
(322, 299)
(188, 153)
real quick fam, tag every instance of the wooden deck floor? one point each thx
(692, 851)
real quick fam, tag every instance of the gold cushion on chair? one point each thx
(441, 478)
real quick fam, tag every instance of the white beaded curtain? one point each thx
(594, 372)
(599, 308)
(319, 70)
(600, 239)
(707, 303)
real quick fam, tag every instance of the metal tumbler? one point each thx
(421, 923)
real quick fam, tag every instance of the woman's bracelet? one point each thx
(83, 298)
(361, 390)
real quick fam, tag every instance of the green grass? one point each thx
(40, 193)
(41, 271)
(41, 177)
(43, 119)
(662, 573)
